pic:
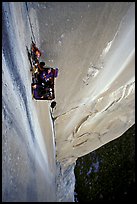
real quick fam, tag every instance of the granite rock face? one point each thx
(93, 44)
(98, 103)
(96, 85)
(65, 183)
(28, 162)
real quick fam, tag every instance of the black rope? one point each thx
(30, 22)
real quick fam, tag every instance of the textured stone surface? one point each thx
(97, 104)
(65, 182)
(93, 45)
(28, 157)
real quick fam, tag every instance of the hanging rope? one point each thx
(30, 24)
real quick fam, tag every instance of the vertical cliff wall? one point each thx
(92, 43)
(28, 154)
(95, 90)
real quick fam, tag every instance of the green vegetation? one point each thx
(108, 173)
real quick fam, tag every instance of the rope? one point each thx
(30, 23)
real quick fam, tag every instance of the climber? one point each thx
(35, 53)
(42, 77)
(47, 75)
(41, 92)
